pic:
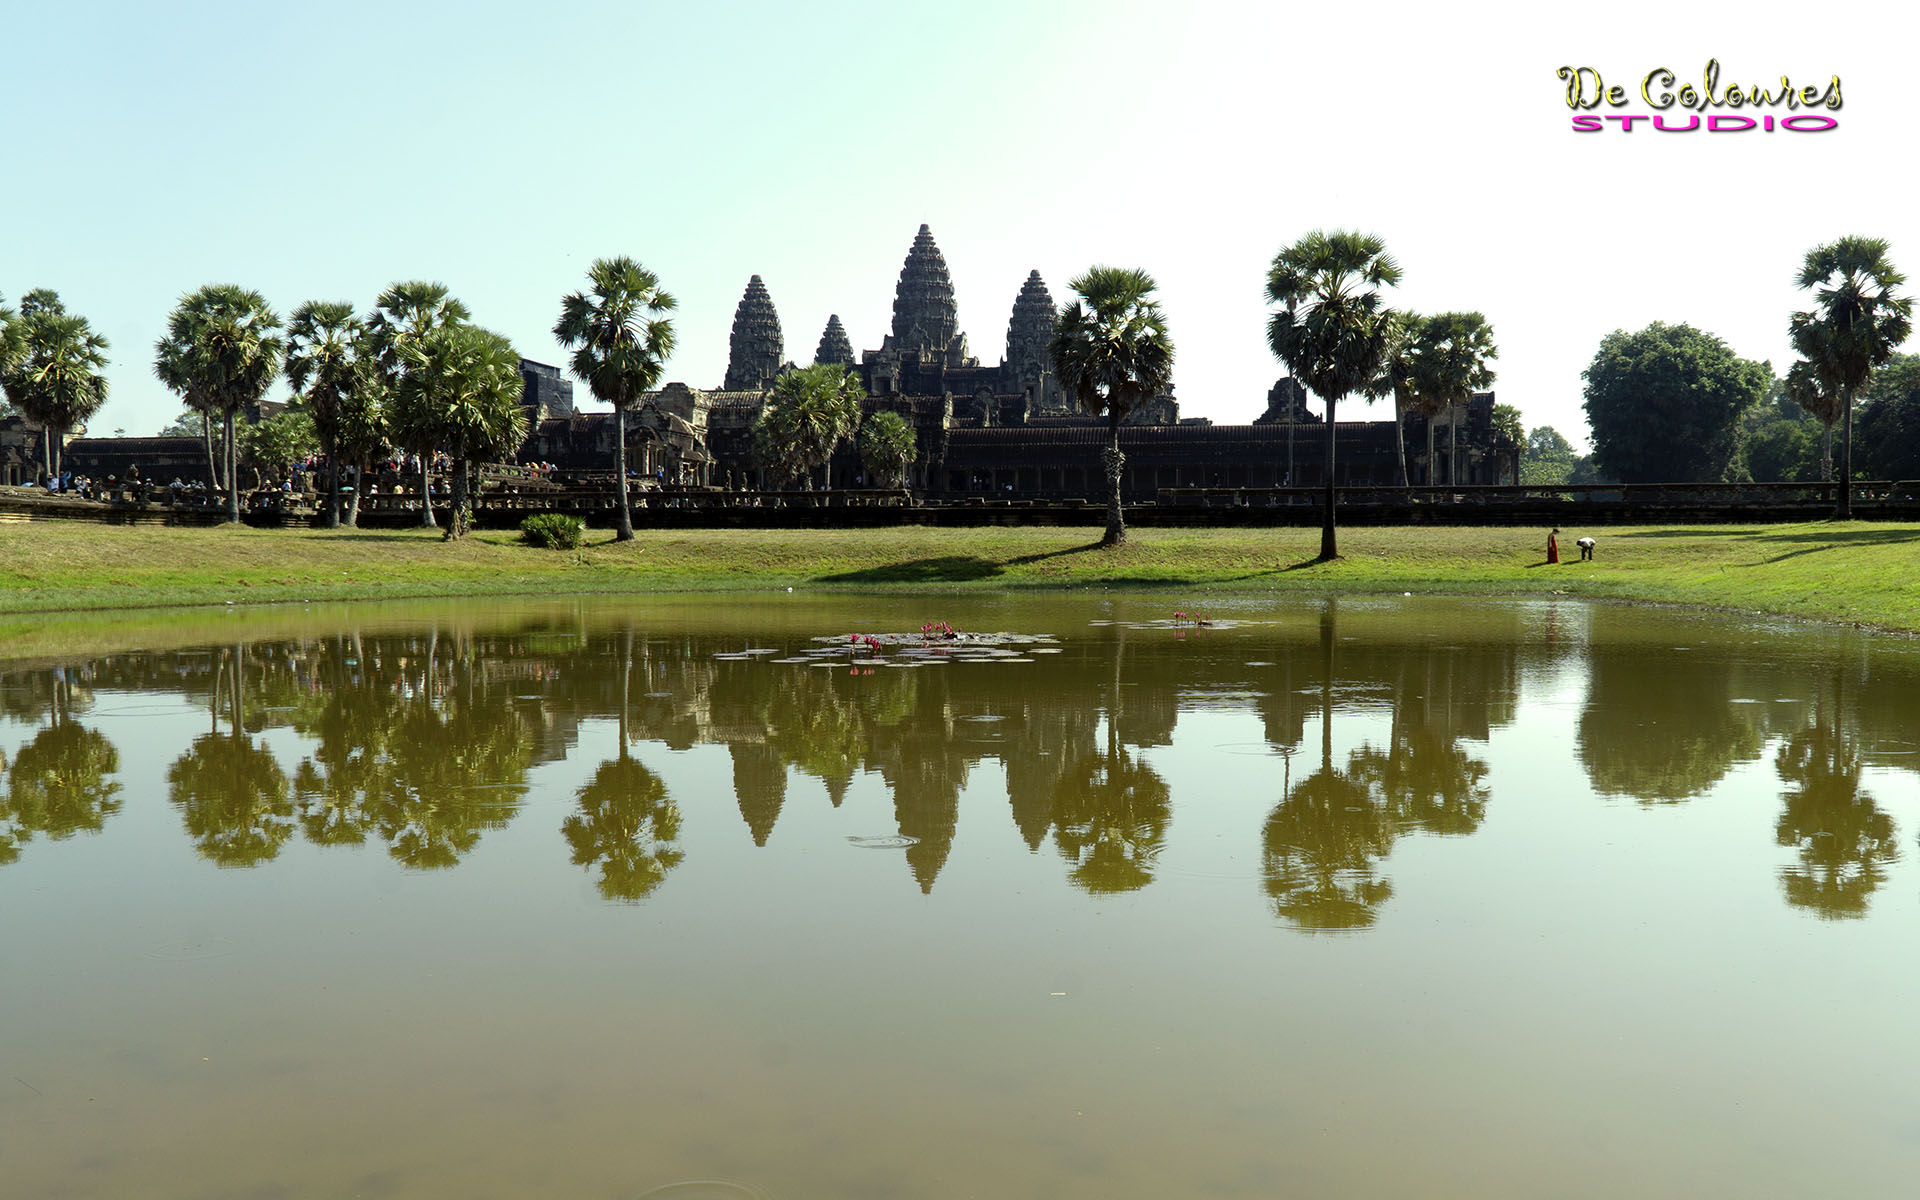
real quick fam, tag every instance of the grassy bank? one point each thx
(1862, 573)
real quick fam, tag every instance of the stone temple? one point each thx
(1006, 431)
(1003, 431)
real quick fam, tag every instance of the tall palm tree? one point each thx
(1807, 386)
(620, 346)
(807, 413)
(221, 353)
(1450, 360)
(1331, 328)
(403, 314)
(323, 343)
(1396, 380)
(1857, 324)
(1111, 352)
(464, 382)
(55, 379)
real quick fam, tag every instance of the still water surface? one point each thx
(1355, 898)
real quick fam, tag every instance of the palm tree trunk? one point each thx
(1329, 546)
(1845, 511)
(1116, 463)
(1826, 455)
(46, 449)
(1400, 440)
(233, 475)
(457, 515)
(1453, 446)
(1429, 419)
(333, 484)
(426, 491)
(359, 485)
(625, 524)
(206, 439)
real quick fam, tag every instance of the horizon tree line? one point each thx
(399, 377)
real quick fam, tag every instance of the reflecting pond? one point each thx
(1335, 897)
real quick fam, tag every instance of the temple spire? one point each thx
(1031, 329)
(835, 346)
(924, 314)
(1029, 341)
(756, 347)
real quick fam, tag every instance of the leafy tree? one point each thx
(401, 316)
(886, 444)
(275, 444)
(1665, 403)
(1890, 420)
(808, 412)
(1808, 386)
(1548, 460)
(187, 424)
(1781, 450)
(1111, 352)
(1331, 328)
(620, 345)
(462, 383)
(1451, 351)
(1857, 323)
(220, 353)
(55, 379)
(13, 346)
(325, 342)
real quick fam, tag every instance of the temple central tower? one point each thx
(925, 317)
(755, 346)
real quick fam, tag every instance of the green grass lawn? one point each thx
(1862, 573)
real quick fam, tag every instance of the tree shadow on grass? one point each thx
(358, 535)
(951, 568)
(1799, 533)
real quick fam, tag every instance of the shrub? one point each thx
(553, 531)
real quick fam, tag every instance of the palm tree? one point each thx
(808, 412)
(1331, 329)
(463, 382)
(220, 354)
(13, 339)
(1396, 380)
(323, 344)
(1112, 352)
(1808, 387)
(886, 447)
(1449, 365)
(403, 314)
(1857, 325)
(55, 379)
(620, 346)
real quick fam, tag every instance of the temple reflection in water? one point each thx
(421, 740)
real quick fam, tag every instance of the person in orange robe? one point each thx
(1553, 546)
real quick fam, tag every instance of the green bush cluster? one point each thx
(553, 531)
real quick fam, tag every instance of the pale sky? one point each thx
(322, 152)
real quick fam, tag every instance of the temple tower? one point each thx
(925, 317)
(755, 347)
(1029, 362)
(835, 347)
